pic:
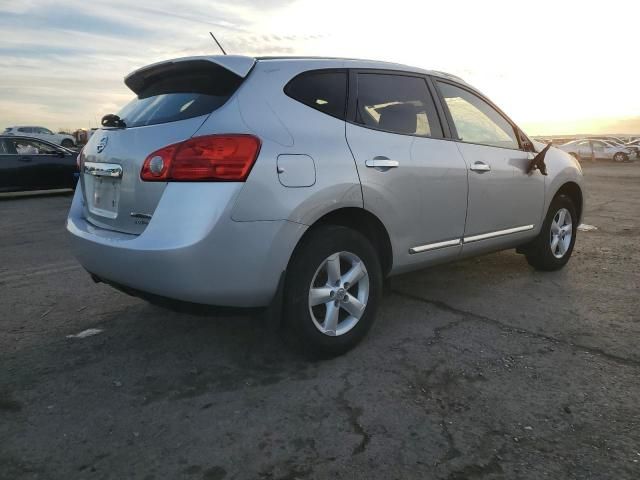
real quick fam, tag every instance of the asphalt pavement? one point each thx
(480, 369)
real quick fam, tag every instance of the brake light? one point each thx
(222, 158)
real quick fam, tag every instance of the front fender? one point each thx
(562, 169)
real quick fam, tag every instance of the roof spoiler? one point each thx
(236, 64)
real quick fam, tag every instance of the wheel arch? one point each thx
(574, 192)
(364, 222)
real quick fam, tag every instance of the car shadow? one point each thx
(155, 354)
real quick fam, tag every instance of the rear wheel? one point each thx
(553, 246)
(67, 143)
(333, 286)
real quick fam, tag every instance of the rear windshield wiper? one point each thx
(114, 121)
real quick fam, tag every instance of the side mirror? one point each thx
(61, 153)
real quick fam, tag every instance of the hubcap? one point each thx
(338, 293)
(561, 233)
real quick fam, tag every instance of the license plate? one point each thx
(103, 195)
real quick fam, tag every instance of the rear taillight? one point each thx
(222, 158)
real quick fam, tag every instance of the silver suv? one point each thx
(304, 182)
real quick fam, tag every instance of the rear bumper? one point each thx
(191, 250)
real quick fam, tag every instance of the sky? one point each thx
(555, 67)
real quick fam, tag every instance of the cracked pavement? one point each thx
(481, 369)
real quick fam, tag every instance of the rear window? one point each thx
(177, 92)
(322, 90)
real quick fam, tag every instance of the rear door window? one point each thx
(184, 91)
(322, 90)
(396, 104)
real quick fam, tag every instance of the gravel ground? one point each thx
(479, 369)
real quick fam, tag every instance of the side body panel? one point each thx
(421, 202)
(504, 197)
(10, 175)
(287, 127)
(562, 168)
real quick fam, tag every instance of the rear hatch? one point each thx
(173, 99)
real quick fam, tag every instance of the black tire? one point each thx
(621, 157)
(539, 252)
(66, 143)
(319, 244)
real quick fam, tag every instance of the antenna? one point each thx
(217, 42)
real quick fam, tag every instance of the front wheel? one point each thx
(621, 157)
(553, 246)
(332, 289)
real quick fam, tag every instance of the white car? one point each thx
(585, 149)
(635, 146)
(42, 133)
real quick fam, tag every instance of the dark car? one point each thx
(28, 163)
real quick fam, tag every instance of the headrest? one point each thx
(400, 117)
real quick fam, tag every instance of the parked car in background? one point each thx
(28, 163)
(67, 141)
(635, 146)
(304, 182)
(586, 149)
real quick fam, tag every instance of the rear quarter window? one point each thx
(185, 91)
(322, 90)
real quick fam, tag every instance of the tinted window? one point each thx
(23, 146)
(325, 91)
(186, 92)
(396, 103)
(4, 148)
(25, 129)
(475, 120)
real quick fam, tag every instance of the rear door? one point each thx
(412, 179)
(584, 149)
(504, 200)
(10, 179)
(35, 163)
(173, 99)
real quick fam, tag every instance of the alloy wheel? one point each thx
(338, 293)
(561, 233)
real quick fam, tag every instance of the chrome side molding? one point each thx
(96, 169)
(473, 238)
(433, 246)
(498, 233)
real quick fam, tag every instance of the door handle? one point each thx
(382, 162)
(24, 159)
(480, 167)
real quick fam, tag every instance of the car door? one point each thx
(505, 202)
(10, 178)
(412, 179)
(39, 163)
(584, 149)
(602, 151)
